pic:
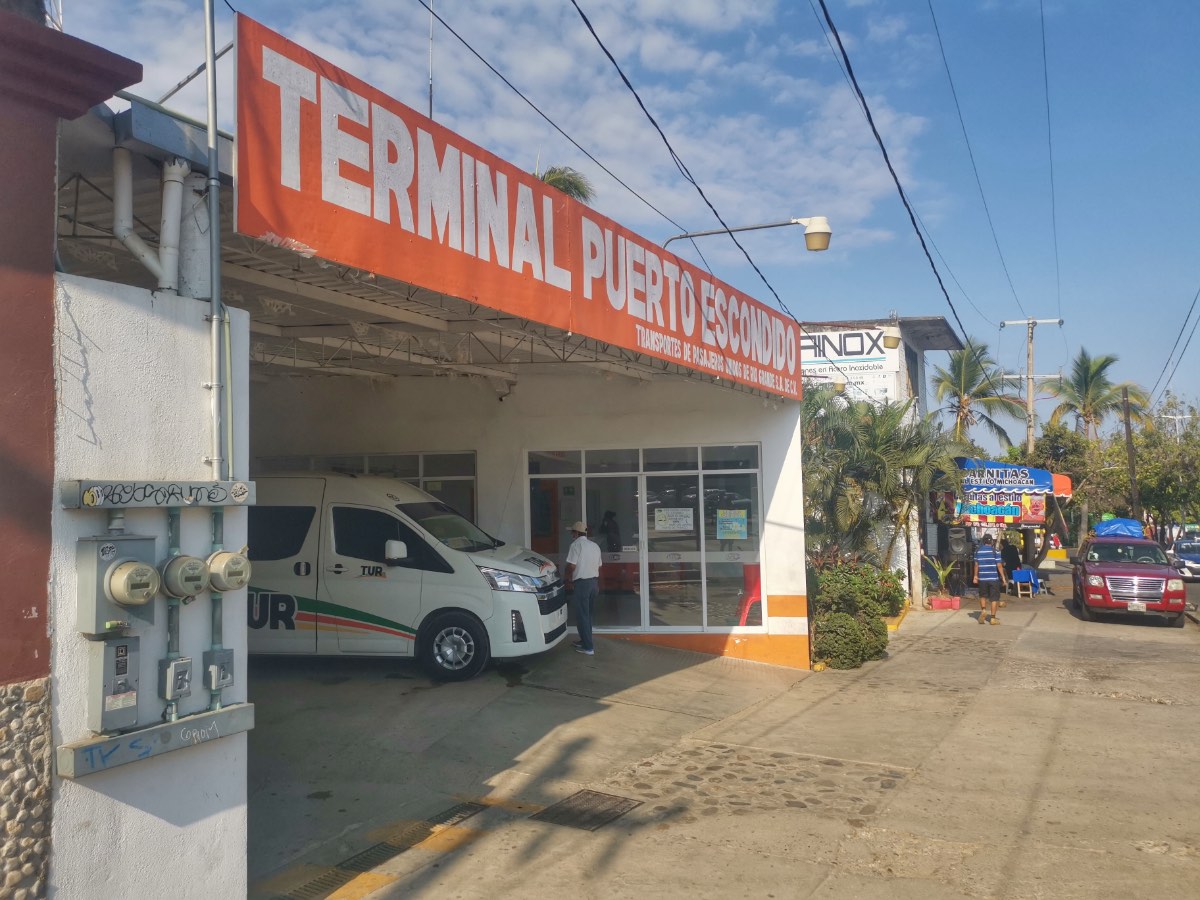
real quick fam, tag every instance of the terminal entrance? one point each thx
(679, 531)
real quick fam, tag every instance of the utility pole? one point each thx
(1133, 485)
(1030, 323)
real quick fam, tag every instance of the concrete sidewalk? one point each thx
(1042, 757)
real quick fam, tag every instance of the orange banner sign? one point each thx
(331, 167)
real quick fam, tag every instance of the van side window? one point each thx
(278, 532)
(363, 533)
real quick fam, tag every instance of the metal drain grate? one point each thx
(403, 839)
(588, 810)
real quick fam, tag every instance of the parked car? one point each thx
(1185, 556)
(1126, 575)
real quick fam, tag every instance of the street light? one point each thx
(816, 231)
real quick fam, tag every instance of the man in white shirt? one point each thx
(583, 568)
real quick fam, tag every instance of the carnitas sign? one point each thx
(332, 167)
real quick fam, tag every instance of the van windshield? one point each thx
(448, 526)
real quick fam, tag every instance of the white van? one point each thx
(357, 565)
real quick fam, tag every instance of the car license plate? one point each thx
(1137, 606)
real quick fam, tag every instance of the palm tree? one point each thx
(1091, 396)
(866, 468)
(570, 181)
(973, 390)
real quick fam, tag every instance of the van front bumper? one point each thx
(527, 623)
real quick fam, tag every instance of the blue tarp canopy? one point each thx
(985, 476)
(1118, 528)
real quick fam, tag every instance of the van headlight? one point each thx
(1174, 584)
(509, 581)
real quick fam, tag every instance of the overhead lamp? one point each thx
(816, 231)
(891, 341)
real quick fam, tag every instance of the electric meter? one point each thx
(228, 571)
(132, 583)
(184, 576)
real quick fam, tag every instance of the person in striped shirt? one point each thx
(989, 576)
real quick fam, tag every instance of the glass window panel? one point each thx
(737, 456)
(278, 532)
(611, 461)
(284, 464)
(732, 532)
(673, 549)
(363, 534)
(666, 459)
(449, 464)
(396, 465)
(555, 462)
(554, 505)
(350, 465)
(612, 519)
(459, 494)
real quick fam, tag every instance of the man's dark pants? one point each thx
(585, 595)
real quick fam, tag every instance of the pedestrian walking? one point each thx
(989, 576)
(583, 571)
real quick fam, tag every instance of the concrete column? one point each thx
(44, 76)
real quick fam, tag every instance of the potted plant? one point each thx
(940, 597)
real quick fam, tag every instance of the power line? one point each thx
(1050, 152)
(686, 173)
(1179, 336)
(912, 216)
(971, 153)
(1182, 328)
(928, 234)
(548, 120)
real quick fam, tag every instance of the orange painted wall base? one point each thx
(789, 650)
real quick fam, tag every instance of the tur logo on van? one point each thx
(270, 609)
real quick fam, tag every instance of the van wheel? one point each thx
(1177, 621)
(1085, 611)
(453, 647)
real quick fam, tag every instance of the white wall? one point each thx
(131, 369)
(297, 415)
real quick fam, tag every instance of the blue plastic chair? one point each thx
(1026, 582)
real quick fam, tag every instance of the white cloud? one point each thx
(886, 29)
(762, 117)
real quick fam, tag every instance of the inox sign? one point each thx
(827, 345)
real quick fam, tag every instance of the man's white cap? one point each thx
(579, 528)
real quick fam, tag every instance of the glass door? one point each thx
(612, 519)
(674, 595)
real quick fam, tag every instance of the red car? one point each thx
(1126, 575)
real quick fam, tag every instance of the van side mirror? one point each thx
(395, 552)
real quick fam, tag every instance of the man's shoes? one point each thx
(983, 618)
(585, 651)
(995, 621)
(576, 643)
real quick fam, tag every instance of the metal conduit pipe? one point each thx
(171, 712)
(217, 602)
(220, 463)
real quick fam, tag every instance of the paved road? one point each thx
(1044, 757)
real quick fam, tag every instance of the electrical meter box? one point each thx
(117, 582)
(113, 678)
(218, 669)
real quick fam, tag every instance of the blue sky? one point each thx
(754, 102)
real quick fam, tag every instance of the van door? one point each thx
(376, 606)
(284, 543)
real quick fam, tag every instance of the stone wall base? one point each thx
(24, 789)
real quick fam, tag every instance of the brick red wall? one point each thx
(44, 75)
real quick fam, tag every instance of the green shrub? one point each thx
(857, 589)
(875, 634)
(839, 640)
